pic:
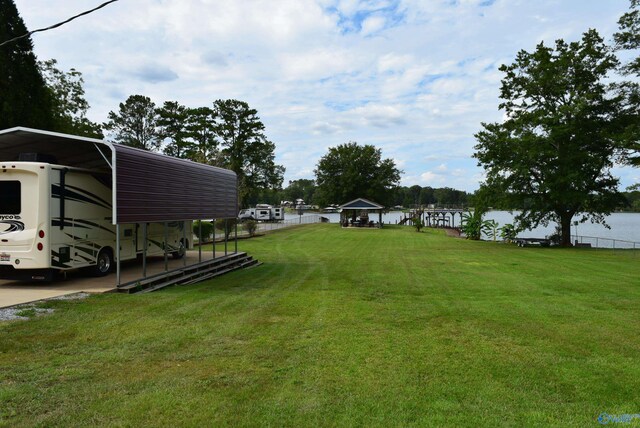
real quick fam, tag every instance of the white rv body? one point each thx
(58, 218)
(262, 212)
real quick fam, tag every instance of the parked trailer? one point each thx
(262, 213)
(56, 218)
(527, 242)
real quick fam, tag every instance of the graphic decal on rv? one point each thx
(14, 226)
(160, 245)
(55, 260)
(89, 224)
(75, 222)
(78, 196)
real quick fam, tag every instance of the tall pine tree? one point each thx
(24, 97)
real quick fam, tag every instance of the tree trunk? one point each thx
(565, 225)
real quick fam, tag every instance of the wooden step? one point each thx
(191, 274)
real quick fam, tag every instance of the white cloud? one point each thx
(412, 77)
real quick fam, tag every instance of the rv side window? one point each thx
(10, 197)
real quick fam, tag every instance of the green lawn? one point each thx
(344, 327)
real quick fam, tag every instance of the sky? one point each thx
(415, 78)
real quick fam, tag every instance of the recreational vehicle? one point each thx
(56, 218)
(262, 212)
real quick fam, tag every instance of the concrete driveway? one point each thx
(15, 292)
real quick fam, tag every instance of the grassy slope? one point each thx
(357, 327)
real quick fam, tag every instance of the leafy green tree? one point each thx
(418, 223)
(136, 124)
(350, 171)
(628, 36)
(69, 105)
(300, 189)
(264, 196)
(427, 195)
(245, 148)
(628, 39)
(554, 151)
(200, 129)
(508, 232)
(415, 192)
(24, 97)
(171, 118)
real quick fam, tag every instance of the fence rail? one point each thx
(597, 242)
(271, 226)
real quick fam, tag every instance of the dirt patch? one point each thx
(452, 232)
(29, 310)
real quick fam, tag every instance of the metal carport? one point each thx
(147, 187)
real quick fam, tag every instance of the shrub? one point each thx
(230, 224)
(508, 232)
(251, 226)
(207, 229)
(473, 225)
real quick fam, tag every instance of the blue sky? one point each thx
(412, 77)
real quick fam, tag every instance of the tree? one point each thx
(300, 189)
(200, 129)
(246, 150)
(136, 124)
(171, 118)
(628, 38)
(427, 195)
(415, 191)
(418, 223)
(350, 171)
(554, 150)
(69, 107)
(24, 97)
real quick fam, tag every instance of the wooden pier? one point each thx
(433, 216)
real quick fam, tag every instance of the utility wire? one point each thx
(59, 24)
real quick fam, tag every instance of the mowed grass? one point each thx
(344, 328)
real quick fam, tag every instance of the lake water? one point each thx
(624, 226)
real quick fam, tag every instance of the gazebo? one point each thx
(356, 213)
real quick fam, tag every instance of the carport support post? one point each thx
(144, 249)
(214, 238)
(166, 255)
(200, 241)
(225, 236)
(118, 254)
(184, 243)
(235, 239)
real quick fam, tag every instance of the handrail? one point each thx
(600, 242)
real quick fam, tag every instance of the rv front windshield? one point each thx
(10, 197)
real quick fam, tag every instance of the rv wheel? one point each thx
(181, 251)
(103, 262)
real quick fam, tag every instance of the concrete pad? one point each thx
(19, 292)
